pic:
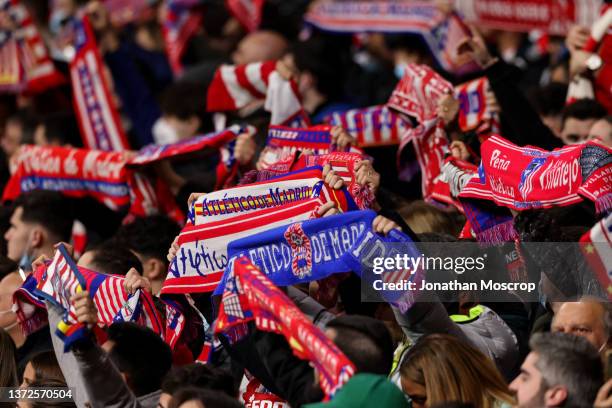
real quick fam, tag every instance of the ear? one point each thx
(555, 396)
(37, 237)
(306, 80)
(194, 124)
(154, 269)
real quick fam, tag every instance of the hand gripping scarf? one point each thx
(25, 65)
(236, 86)
(454, 175)
(474, 112)
(250, 296)
(372, 126)
(97, 114)
(60, 279)
(417, 95)
(442, 33)
(596, 246)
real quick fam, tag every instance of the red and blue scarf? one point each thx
(372, 126)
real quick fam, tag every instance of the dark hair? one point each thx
(571, 361)
(62, 128)
(141, 354)
(208, 398)
(185, 100)
(8, 368)
(365, 341)
(550, 99)
(49, 403)
(111, 258)
(149, 236)
(408, 42)
(321, 59)
(46, 366)
(48, 209)
(583, 109)
(27, 123)
(202, 376)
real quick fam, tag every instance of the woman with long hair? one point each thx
(8, 366)
(440, 368)
(42, 366)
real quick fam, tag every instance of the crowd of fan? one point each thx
(546, 354)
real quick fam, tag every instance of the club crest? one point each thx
(301, 250)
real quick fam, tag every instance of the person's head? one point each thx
(407, 49)
(58, 129)
(319, 67)
(549, 101)
(110, 258)
(423, 217)
(202, 376)
(602, 130)
(8, 365)
(42, 366)
(441, 368)
(259, 46)
(587, 318)
(18, 130)
(561, 371)
(141, 356)
(183, 107)
(578, 118)
(193, 397)
(149, 238)
(364, 340)
(40, 219)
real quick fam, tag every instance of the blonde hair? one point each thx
(422, 218)
(451, 370)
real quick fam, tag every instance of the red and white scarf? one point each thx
(372, 126)
(250, 296)
(441, 32)
(247, 12)
(25, 62)
(96, 111)
(236, 86)
(454, 175)
(182, 20)
(417, 95)
(524, 178)
(474, 112)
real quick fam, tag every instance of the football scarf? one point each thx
(96, 111)
(250, 296)
(60, 279)
(294, 187)
(442, 33)
(26, 65)
(596, 246)
(453, 176)
(247, 12)
(236, 86)
(373, 126)
(256, 395)
(474, 113)
(417, 95)
(182, 20)
(31, 311)
(202, 256)
(532, 178)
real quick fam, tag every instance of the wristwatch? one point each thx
(594, 62)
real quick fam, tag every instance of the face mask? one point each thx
(26, 262)
(163, 133)
(56, 21)
(4, 312)
(399, 70)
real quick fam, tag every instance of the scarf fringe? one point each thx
(603, 204)
(498, 234)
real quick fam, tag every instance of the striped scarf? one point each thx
(61, 279)
(182, 20)
(596, 246)
(250, 296)
(372, 126)
(97, 114)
